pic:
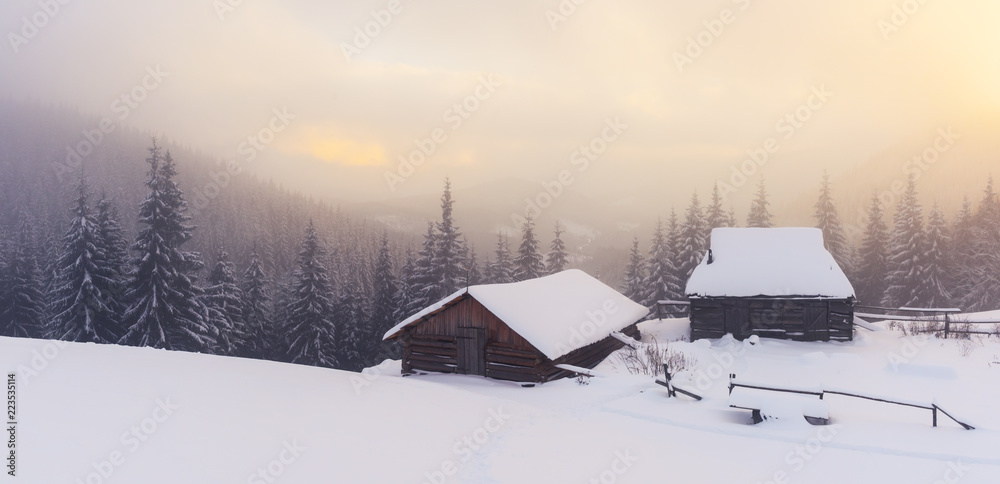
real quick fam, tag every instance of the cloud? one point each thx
(608, 59)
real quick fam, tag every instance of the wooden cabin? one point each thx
(775, 283)
(520, 331)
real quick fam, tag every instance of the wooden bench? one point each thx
(777, 405)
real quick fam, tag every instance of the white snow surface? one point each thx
(556, 314)
(788, 261)
(230, 418)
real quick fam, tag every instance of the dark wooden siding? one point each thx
(434, 345)
(795, 319)
(507, 355)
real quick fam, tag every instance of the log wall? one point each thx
(432, 345)
(794, 319)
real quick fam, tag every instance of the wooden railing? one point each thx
(659, 310)
(933, 407)
(952, 319)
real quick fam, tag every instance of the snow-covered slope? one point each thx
(140, 415)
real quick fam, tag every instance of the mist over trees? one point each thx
(148, 251)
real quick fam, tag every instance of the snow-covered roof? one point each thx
(556, 314)
(776, 262)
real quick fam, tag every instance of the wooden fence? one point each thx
(671, 308)
(933, 407)
(952, 320)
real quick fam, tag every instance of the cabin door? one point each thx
(817, 323)
(471, 351)
(737, 320)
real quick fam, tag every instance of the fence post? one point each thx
(947, 322)
(934, 413)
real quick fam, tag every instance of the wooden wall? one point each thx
(795, 319)
(433, 345)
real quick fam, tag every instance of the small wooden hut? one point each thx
(521, 331)
(776, 283)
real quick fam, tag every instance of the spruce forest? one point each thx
(135, 249)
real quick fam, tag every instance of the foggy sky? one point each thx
(553, 89)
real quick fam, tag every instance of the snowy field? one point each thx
(105, 414)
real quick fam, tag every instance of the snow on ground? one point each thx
(93, 409)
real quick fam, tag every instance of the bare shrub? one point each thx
(913, 328)
(679, 361)
(648, 359)
(966, 346)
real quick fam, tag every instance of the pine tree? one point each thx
(693, 239)
(731, 218)
(906, 251)
(873, 255)
(715, 215)
(989, 206)
(113, 244)
(828, 220)
(759, 215)
(424, 282)
(224, 300)
(673, 239)
(310, 334)
(449, 259)
(661, 283)
(502, 269)
(979, 277)
(557, 259)
(963, 230)
(257, 311)
(349, 318)
(475, 276)
(635, 273)
(404, 295)
(22, 303)
(528, 264)
(933, 291)
(165, 309)
(383, 306)
(961, 249)
(81, 311)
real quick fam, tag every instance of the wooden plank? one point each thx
(774, 389)
(426, 366)
(433, 350)
(625, 339)
(917, 310)
(511, 360)
(511, 368)
(964, 425)
(414, 357)
(513, 376)
(576, 369)
(441, 341)
(816, 323)
(493, 349)
(885, 317)
(667, 302)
